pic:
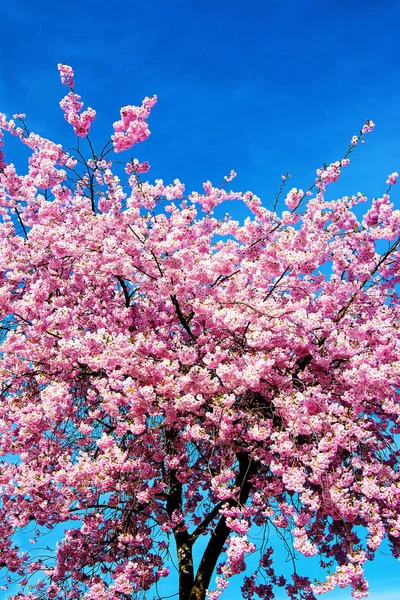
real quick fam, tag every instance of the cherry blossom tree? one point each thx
(171, 375)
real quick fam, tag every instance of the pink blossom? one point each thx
(67, 75)
(392, 178)
(132, 128)
(231, 176)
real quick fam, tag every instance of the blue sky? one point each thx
(258, 86)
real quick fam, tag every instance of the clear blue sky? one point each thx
(257, 86)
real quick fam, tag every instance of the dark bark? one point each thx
(247, 469)
(191, 586)
(184, 321)
(185, 564)
(183, 543)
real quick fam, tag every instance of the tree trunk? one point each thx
(191, 588)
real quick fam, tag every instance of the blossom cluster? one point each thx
(132, 128)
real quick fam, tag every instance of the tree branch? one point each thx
(181, 318)
(205, 522)
(125, 290)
